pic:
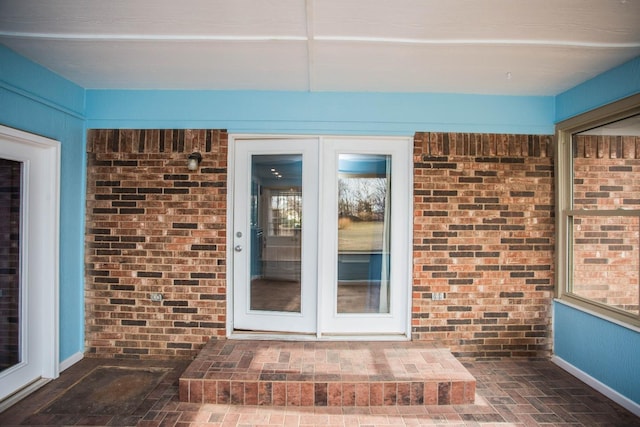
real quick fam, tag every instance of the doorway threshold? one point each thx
(22, 393)
(290, 336)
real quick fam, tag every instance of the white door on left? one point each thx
(29, 175)
(275, 234)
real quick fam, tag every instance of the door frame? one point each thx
(40, 247)
(318, 335)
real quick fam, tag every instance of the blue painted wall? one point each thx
(603, 89)
(319, 112)
(604, 350)
(35, 100)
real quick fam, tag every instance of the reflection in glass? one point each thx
(606, 264)
(10, 195)
(605, 216)
(276, 228)
(364, 183)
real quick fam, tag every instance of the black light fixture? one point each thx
(194, 160)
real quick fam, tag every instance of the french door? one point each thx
(274, 234)
(321, 235)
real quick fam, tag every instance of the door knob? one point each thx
(238, 248)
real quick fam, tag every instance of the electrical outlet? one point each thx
(437, 296)
(156, 297)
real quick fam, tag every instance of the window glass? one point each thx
(606, 261)
(10, 280)
(603, 215)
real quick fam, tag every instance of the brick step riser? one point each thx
(327, 393)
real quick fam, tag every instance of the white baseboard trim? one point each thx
(70, 361)
(620, 399)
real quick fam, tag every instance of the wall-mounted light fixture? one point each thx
(194, 160)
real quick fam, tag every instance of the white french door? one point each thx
(29, 171)
(364, 251)
(274, 235)
(321, 235)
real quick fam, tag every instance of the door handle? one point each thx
(238, 248)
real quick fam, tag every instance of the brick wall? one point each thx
(484, 236)
(153, 226)
(10, 176)
(606, 251)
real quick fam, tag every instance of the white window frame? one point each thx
(564, 209)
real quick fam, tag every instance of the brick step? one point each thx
(340, 373)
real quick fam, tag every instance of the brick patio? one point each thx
(509, 393)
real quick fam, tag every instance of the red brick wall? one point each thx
(607, 176)
(154, 226)
(484, 236)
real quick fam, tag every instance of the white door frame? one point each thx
(40, 254)
(405, 247)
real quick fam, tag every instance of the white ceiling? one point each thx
(511, 47)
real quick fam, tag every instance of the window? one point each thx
(598, 199)
(286, 212)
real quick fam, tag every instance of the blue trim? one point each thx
(319, 112)
(613, 85)
(28, 79)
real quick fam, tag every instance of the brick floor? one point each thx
(509, 393)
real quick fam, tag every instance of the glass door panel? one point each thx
(363, 233)
(10, 280)
(276, 229)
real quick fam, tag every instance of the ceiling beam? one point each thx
(310, 48)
